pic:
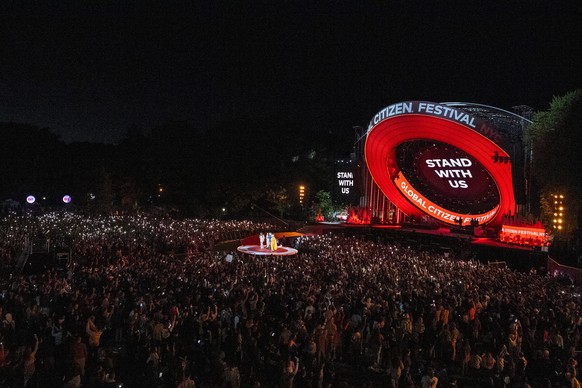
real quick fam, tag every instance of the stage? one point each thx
(258, 251)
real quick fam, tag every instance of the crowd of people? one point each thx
(149, 301)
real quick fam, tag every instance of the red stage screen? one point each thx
(444, 160)
(523, 236)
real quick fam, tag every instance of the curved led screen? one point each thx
(429, 159)
(452, 178)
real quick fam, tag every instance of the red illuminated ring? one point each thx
(384, 137)
(257, 250)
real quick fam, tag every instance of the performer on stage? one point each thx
(262, 239)
(269, 237)
(273, 243)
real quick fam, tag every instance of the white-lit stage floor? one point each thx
(258, 251)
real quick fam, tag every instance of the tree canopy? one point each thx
(230, 166)
(557, 160)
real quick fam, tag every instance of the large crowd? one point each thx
(149, 301)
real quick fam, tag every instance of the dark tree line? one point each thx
(557, 162)
(198, 172)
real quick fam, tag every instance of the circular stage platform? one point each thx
(258, 251)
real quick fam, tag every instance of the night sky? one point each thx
(90, 69)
